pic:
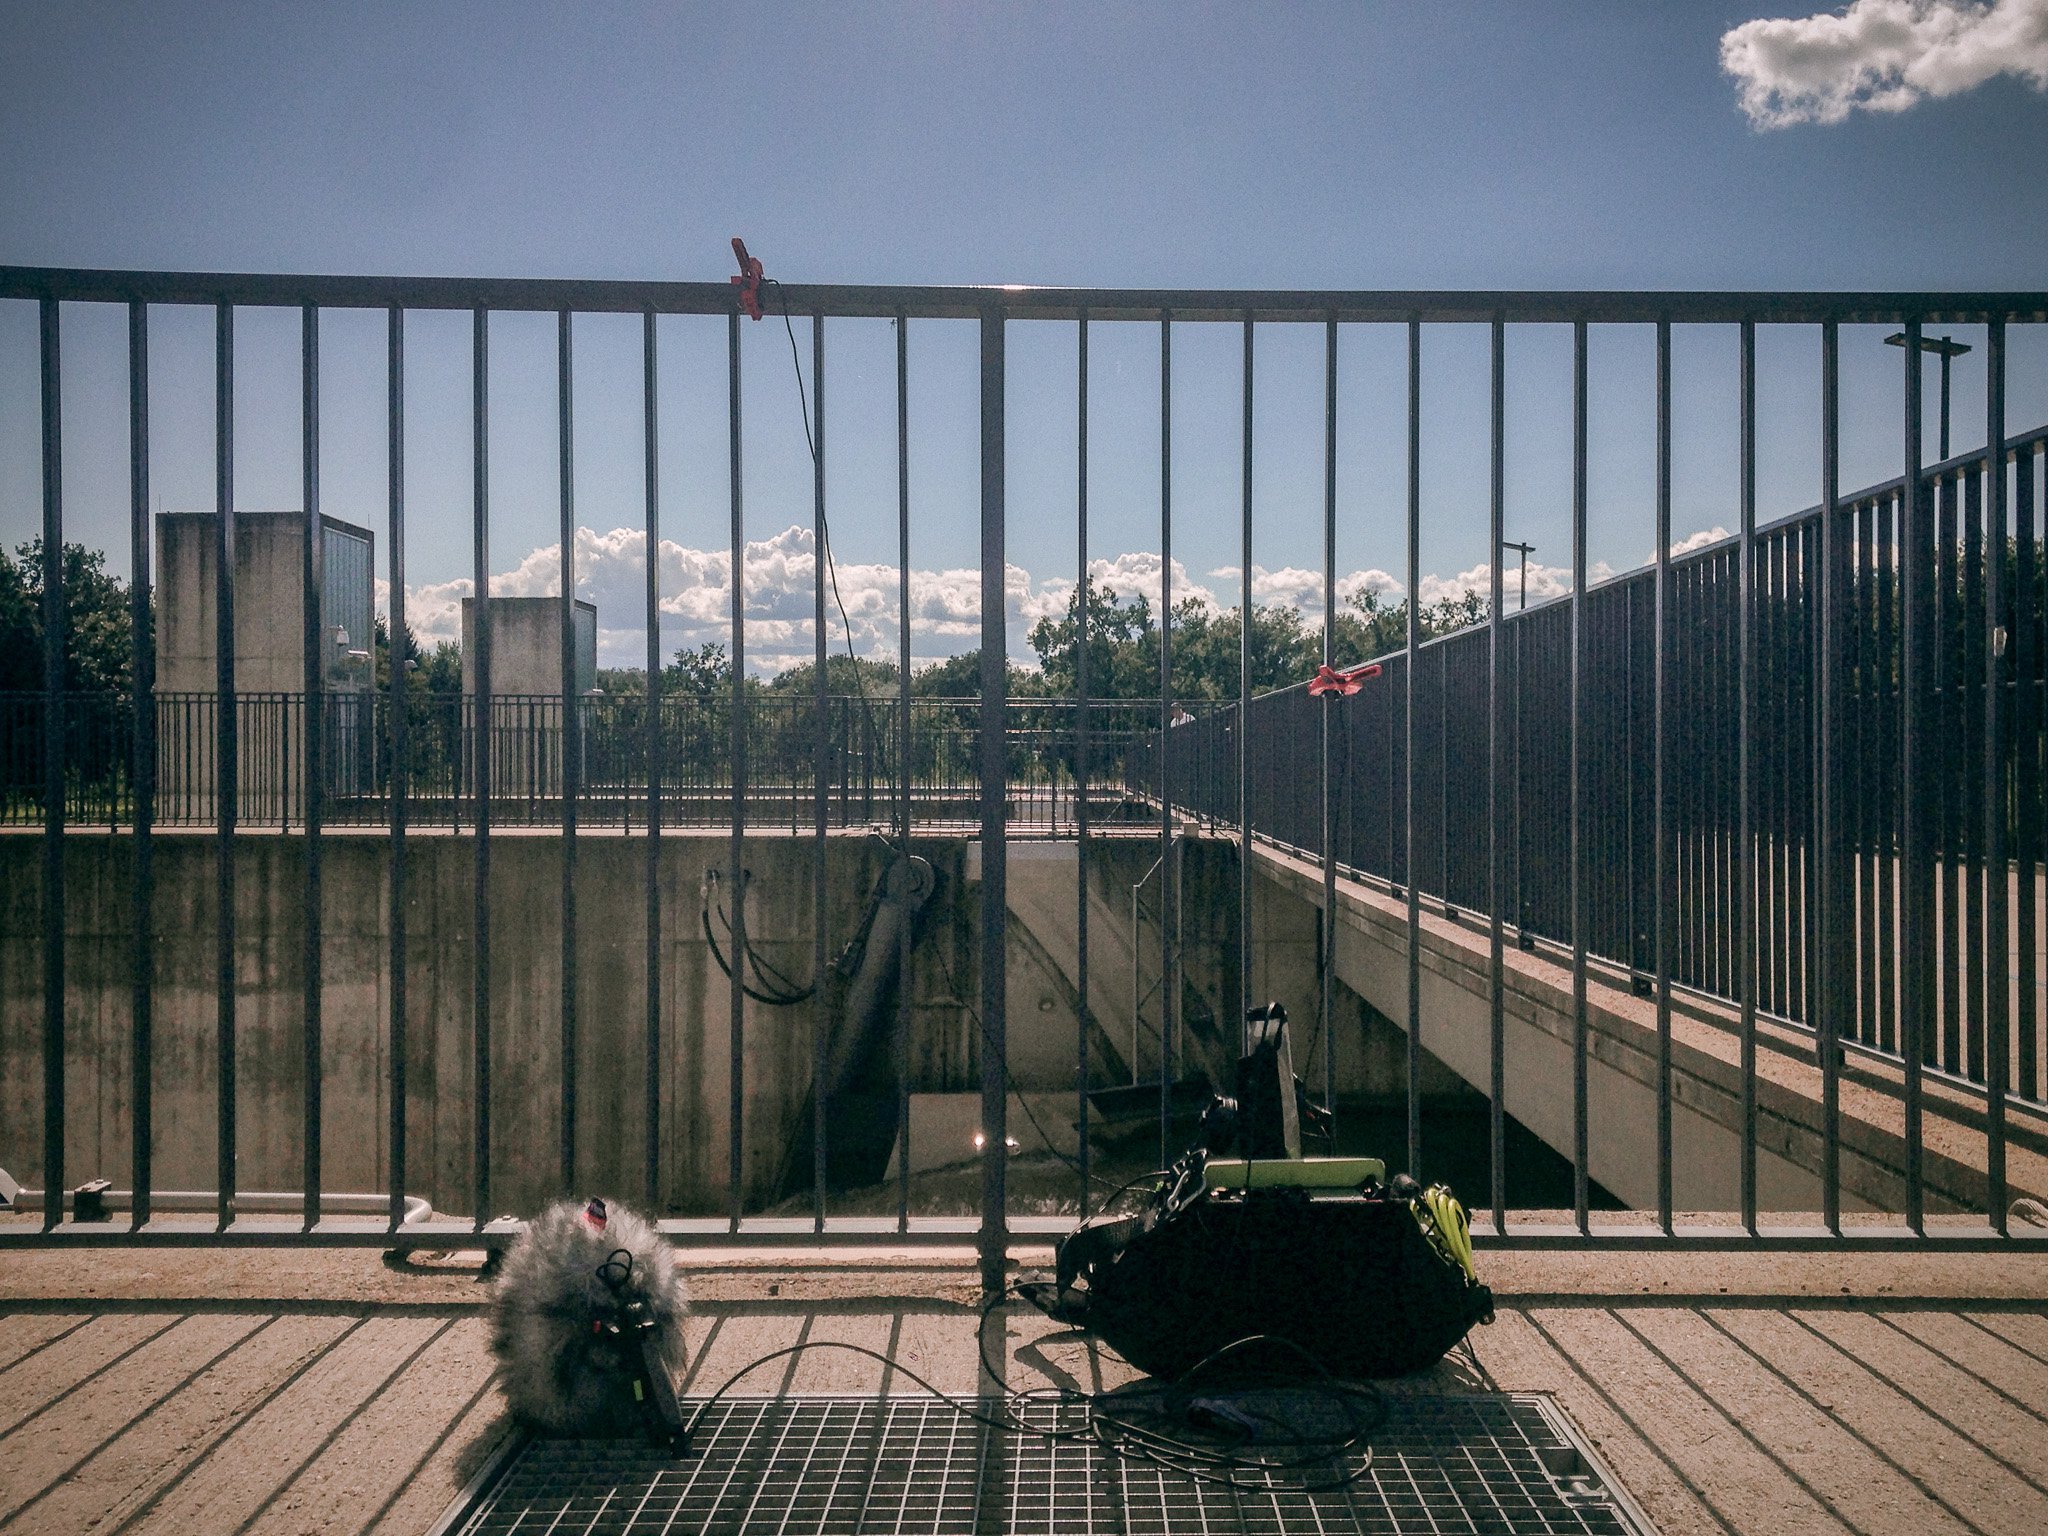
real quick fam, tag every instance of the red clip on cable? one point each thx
(1329, 680)
(749, 280)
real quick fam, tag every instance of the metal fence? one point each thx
(680, 754)
(1597, 782)
(1991, 640)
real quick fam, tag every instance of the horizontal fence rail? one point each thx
(687, 741)
(1802, 772)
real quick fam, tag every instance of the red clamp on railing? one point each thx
(1329, 680)
(749, 280)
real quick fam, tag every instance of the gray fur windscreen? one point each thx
(562, 1373)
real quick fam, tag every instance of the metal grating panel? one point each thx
(826, 1466)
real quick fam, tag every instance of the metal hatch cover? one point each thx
(847, 1466)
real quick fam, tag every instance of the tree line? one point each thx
(1123, 646)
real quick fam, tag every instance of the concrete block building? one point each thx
(525, 710)
(270, 667)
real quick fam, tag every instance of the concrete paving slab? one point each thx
(26, 1335)
(329, 1393)
(118, 1486)
(43, 1449)
(1732, 1473)
(1514, 1356)
(48, 1376)
(271, 1446)
(1989, 1420)
(1981, 1352)
(1890, 1422)
(1832, 1459)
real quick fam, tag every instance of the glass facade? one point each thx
(346, 607)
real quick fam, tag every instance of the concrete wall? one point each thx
(525, 986)
(526, 644)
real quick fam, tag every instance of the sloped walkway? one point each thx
(284, 1392)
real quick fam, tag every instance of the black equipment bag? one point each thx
(1353, 1281)
(1373, 1281)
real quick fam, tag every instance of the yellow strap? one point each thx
(1453, 1227)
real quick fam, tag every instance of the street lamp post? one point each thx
(1526, 549)
(1945, 348)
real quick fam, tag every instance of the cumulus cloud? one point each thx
(1881, 56)
(945, 605)
(1700, 540)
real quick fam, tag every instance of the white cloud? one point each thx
(945, 606)
(1700, 540)
(1881, 56)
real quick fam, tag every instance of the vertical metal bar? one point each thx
(1917, 930)
(1244, 713)
(1081, 763)
(1863, 740)
(482, 755)
(735, 866)
(54, 636)
(227, 752)
(1890, 846)
(1745, 726)
(1167, 981)
(1328, 948)
(1837, 989)
(1580, 888)
(401, 760)
(1973, 742)
(1413, 875)
(821, 759)
(313, 756)
(141, 774)
(572, 734)
(651, 444)
(1496, 988)
(1997, 969)
(1665, 905)
(2026, 769)
(1945, 678)
(904, 935)
(994, 1241)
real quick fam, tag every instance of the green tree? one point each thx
(702, 673)
(843, 675)
(97, 648)
(1123, 646)
(959, 677)
(434, 672)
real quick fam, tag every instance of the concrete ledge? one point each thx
(1706, 1078)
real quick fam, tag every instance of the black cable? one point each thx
(1126, 1437)
(769, 999)
(824, 527)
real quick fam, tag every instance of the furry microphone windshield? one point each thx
(588, 1324)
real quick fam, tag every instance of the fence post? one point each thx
(994, 1240)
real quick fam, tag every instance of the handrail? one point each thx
(1021, 302)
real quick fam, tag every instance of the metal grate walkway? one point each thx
(913, 1466)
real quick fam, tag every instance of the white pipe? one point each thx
(251, 1203)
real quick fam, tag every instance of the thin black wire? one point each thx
(764, 972)
(1123, 1437)
(824, 526)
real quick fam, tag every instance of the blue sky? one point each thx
(1356, 145)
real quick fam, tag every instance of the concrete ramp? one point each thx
(1372, 958)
